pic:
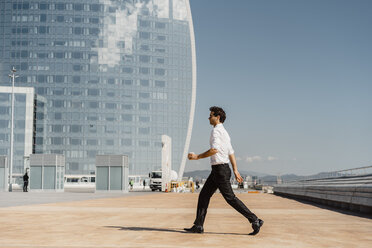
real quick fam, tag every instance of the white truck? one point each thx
(155, 180)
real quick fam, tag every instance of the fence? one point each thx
(348, 189)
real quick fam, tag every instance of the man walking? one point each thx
(221, 153)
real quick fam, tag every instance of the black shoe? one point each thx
(195, 229)
(256, 226)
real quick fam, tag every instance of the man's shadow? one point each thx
(173, 230)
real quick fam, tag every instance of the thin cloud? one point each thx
(253, 159)
(271, 158)
(260, 159)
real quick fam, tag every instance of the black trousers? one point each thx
(25, 185)
(220, 179)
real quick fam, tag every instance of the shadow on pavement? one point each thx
(174, 230)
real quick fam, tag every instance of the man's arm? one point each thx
(235, 168)
(210, 152)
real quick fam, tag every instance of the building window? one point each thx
(19, 137)
(95, 7)
(144, 23)
(160, 50)
(43, 30)
(144, 58)
(144, 82)
(60, 19)
(78, 7)
(126, 142)
(76, 104)
(127, 117)
(59, 78)
(144, 119)
(110, 118)
(73, 166)
(4, 124)
(4, 110)
(58, 92)
(144, 106)
(57, 128)
(58, 116)
(143, 143)
(56, 141)
(160, 84)
(94, 20)
(128, 82)
(127, 106)
(91, 153)
(60, 6)
(76, 79)
(93, 92)
(76, 92)
(144, 130)
(110, 105)
(39, 140)
(92, 142)
(160, 25)
(144, 95)
(75, 128)
(144, 70)
(57, 103)
(161, 37)
(110, 94)
(92, 118)
(159, 72)
(128, 70)
(93, 105)
(144, 35)
(145, 47)
(77, 55)
(74, 141)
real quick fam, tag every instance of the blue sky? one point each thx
(295, 78)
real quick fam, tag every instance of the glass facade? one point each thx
(26, 107)
(116, 75)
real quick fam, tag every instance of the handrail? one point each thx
(336, 174)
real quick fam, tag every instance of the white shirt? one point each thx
(220, 140)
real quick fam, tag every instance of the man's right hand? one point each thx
(192, 156)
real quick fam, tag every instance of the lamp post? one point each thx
(13, 76)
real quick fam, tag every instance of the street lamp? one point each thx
(13, 76)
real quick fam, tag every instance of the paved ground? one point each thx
(9, 199)
(156, 220)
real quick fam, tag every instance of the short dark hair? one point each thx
(217, 111)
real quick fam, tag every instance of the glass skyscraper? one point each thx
(116, 75)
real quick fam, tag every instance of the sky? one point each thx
(295, 80)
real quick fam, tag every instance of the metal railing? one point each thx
(366, 170)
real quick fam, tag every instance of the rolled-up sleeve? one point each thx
(216, 140)
(231, 150)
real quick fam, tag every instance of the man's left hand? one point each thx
(238, 177)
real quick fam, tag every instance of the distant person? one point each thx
(131, 183)
(197, 184)
(144, 183)
(221, 153)
(241, 185)
(25, 182)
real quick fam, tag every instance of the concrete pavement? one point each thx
(157, 220)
